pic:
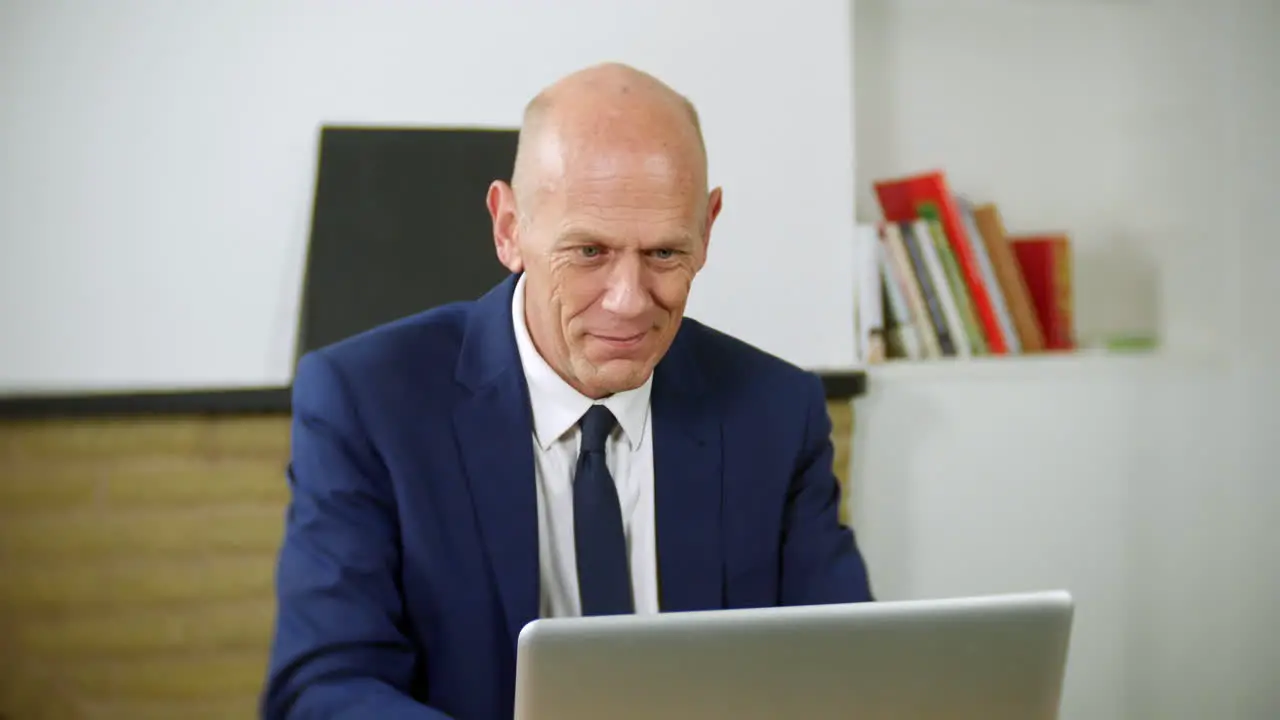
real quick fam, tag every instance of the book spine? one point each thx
(934, 304)
(989, 279)
(1046, 265)
(991, 228)
(902, 331)
(942, 287)
(915, 298)
(977, 340)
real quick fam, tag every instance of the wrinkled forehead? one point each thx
(635, 169)
(632, 191)
(604, 170)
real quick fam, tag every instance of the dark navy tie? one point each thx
(604, 574)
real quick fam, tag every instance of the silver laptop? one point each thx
(991, 657)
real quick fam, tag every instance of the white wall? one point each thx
(1256, 540)
(1146, 485)
(159, 159)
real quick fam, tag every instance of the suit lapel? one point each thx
(687, 485)
(493, 427)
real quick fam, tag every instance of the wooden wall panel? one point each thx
(137, 559)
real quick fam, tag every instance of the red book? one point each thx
(900, 200)
(1046, 266)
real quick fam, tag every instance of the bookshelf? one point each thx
(1040, 367)
(1126, 148)
(1142, 481)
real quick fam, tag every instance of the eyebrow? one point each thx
(576, 237)
(580, 236)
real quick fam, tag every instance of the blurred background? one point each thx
(1029, 244)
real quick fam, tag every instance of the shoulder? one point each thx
(768, 406)
(411, 355)
(427, 339)
(738, 370)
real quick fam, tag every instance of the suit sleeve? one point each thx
(821, 562)
(339, 650)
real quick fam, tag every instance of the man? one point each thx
(567, 444)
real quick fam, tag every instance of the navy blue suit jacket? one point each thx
(410, 556)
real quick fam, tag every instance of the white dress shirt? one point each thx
(557, 407)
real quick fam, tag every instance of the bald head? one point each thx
(607, 218)
(602, 110)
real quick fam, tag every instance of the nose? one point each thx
(626, 294)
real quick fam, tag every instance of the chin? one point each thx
(615, 376)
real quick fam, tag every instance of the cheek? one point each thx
(671, 290)
(576, 293)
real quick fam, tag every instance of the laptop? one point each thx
(990, 657)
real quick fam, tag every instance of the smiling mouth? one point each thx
(622, 341)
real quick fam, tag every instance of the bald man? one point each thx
(568, 444)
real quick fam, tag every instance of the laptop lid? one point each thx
(991, 657)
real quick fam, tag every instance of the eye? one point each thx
(664, 253)
(589, 251)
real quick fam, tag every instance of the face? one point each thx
(609, 251)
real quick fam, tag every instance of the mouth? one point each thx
(621, 342)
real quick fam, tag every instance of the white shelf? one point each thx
(1038, 367)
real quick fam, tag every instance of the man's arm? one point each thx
(338, 650)
(821, 562)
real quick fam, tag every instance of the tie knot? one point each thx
(596, 425)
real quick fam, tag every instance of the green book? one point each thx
(959, 289)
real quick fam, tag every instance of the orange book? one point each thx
(1046, 266)
(899, 201)
(1025, 320)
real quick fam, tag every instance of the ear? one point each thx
(714, 201)
(501, 201)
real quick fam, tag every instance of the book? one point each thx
(901, 336)
(932, 294)
(896, 251)
(942, 287)
(1009, 275)
(1045, 261)
(999, 303)
(959, 290)
(869, 312)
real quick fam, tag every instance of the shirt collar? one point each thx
(556, 405)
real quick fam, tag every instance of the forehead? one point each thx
(624, 188)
